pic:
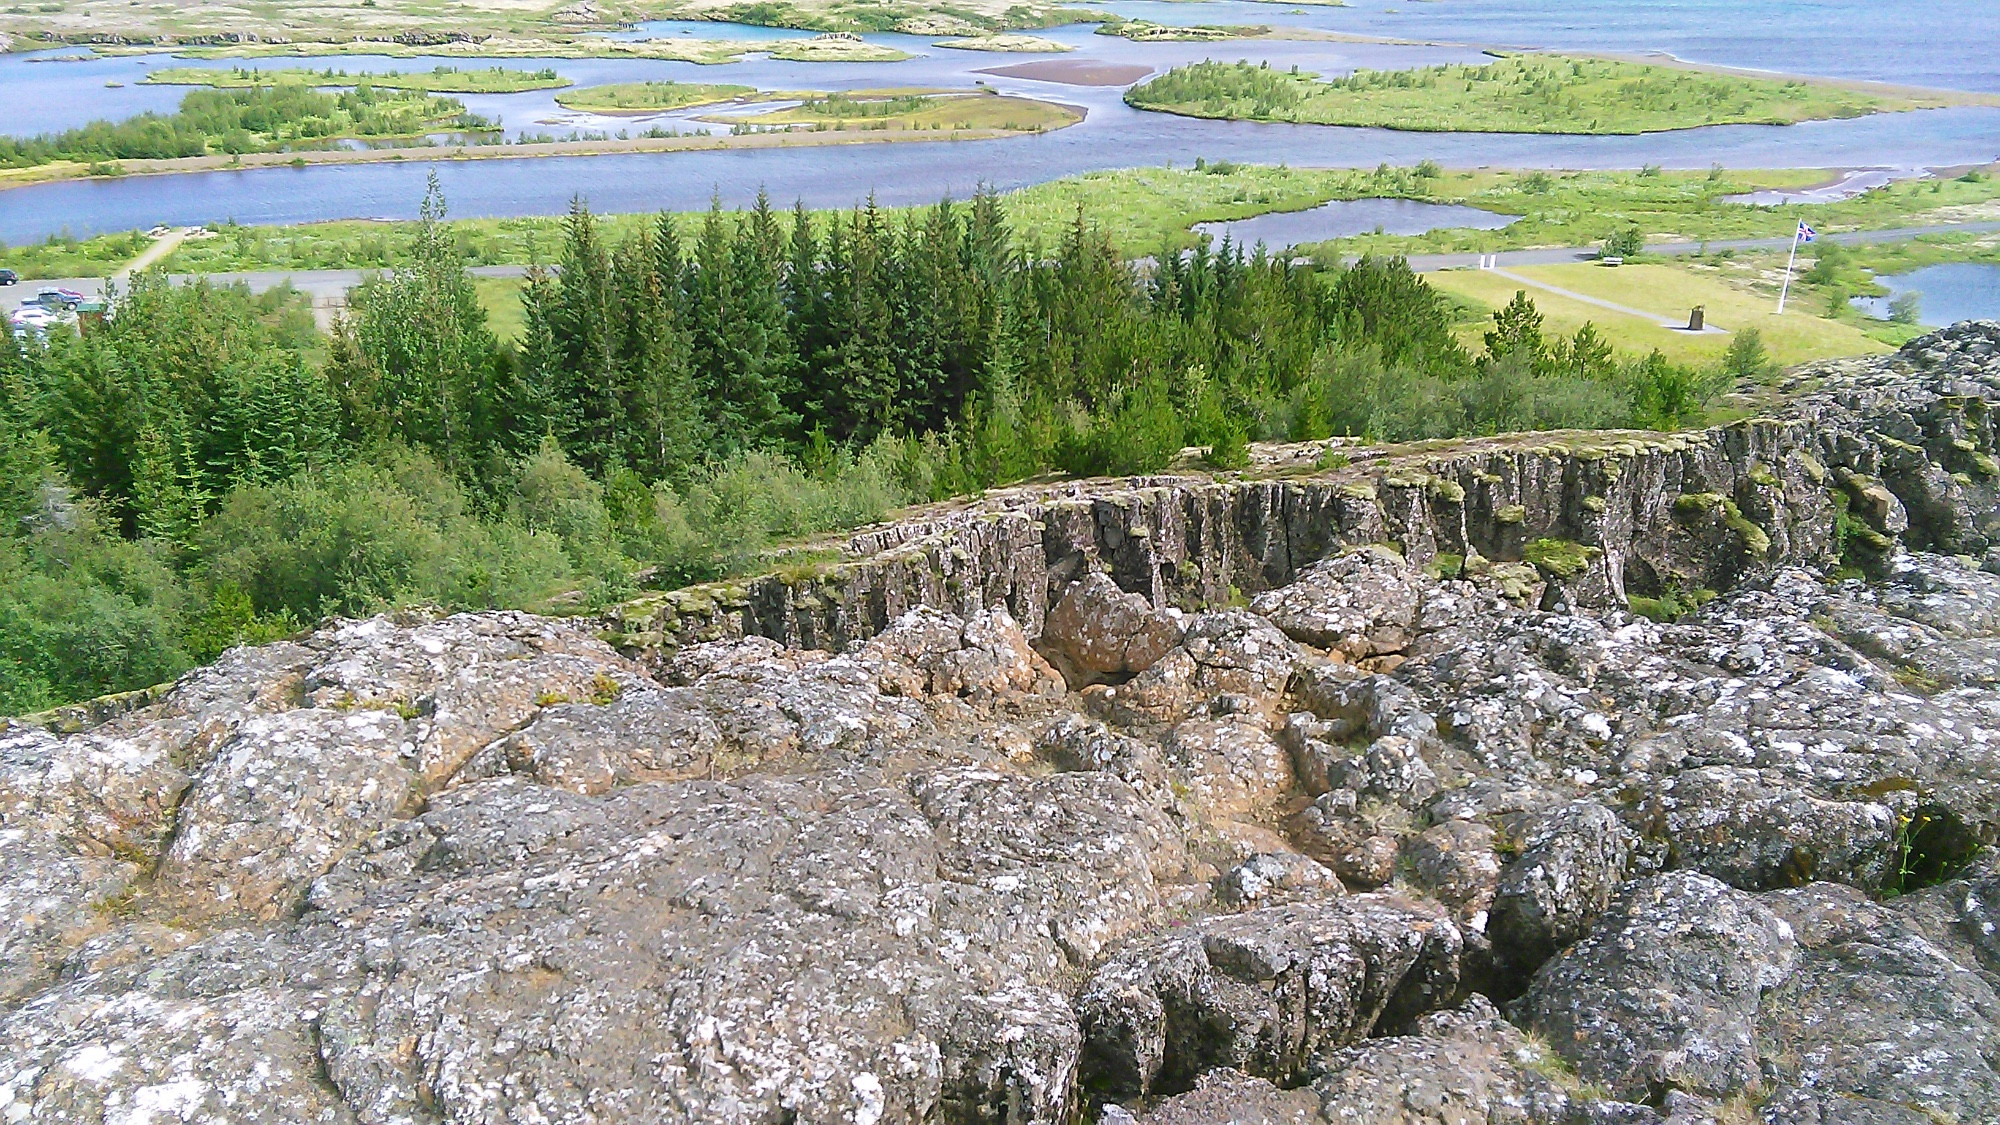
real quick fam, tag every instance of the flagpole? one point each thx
(1793, 261)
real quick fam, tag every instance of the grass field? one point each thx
(442, 80)
(649, 97)
(922, 111)
(1515, 94)
(501, 298)
(1670, 291)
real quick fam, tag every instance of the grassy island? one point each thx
(442, 80)
(649, 97)
(1517, 94)
(255, 119)
(1141, 31)
(891, 110)
(1007, 44)
(834, 47)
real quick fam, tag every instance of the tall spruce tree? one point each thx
(429, 355)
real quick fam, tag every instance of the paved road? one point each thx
(327, 288)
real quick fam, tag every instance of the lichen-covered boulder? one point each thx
(1663, 992)
(1102, 630)
(1263, 991)
(1572, 861)
(1362, 604)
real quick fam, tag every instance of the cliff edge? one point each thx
(1579, 778)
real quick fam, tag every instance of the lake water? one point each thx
(1342, 218)
(1947, 293)
(1858, 38)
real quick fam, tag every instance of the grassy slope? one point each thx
(492, 80)
(1516, 94)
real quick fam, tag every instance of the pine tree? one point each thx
(425, 335)
(1517, 331)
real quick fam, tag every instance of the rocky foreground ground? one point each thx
(1173, 802)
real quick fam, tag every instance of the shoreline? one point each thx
(799, 138)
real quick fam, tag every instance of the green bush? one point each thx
(362, 537)
(1140, 432)
(83, 612)
(733, 512)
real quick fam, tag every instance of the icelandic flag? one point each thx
(1806, 233)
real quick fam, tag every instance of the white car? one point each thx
(31, 318)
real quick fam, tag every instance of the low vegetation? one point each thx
(920, 111)
(440, 80)
(1007, 44)
(253, 119)
(678, 49)
(649, 97)
(1141, 31)
(206, 468)
(417, 27)
(834, 47)
(1513, 94)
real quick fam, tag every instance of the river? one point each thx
(1832, 37)
(1946, 294)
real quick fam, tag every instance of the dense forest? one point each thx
(206, 467)
(255, 119)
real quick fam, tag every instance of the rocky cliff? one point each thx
(1350, 789)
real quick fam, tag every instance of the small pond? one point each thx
(1946, 294)
(1346, 217)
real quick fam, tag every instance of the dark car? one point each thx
(55, 299)
(9, 277)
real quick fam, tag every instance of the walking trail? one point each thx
(1627, 310)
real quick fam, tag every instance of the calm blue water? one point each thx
(1342, 218)
(1947, 294)
(1859, 38)
(1945, 43)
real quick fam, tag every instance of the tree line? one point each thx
(253, 119)
(207, 467)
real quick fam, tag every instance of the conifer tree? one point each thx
(427, 342)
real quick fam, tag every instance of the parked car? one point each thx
(9, 277)
(28, 320)
(54, 298)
